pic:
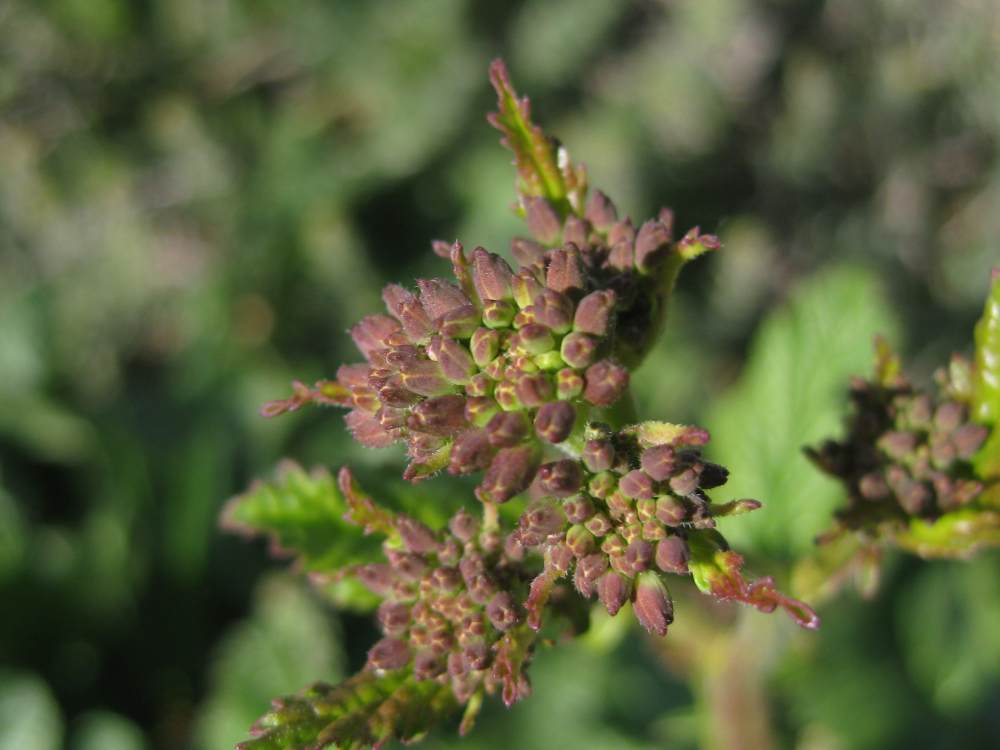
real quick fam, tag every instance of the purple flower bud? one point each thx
(684, 483)
(407, 565)
(367, 430)
(453, 358)
(393, 617)
(565, 270)
(415, 535)
(949, 416)
(527, 252)
(509, 474)
(645, 510)
(460, 323)
(534, 389)
(441, 248)
(576, 230)
(423, 377)
(606, 381)
(440, 297)
(898, 445)
(502, 611)
(553, 309)
(652, 244)
(913, 497)
(470, 452)
(427, 665)
(560, 478)
(370, 333)
(498, 313)
(485, 345)
(620, 506)
(968, 439)
(622, 256)
(872, 486)
(621, 230)
(445, 578)
(637, 484)
(569, 384)
(613, 590)
(639, 555)
(476, 655)
(670, 511)
(652, 605)
(558, 558)
(543, 519)
(580, 541)
(491, 275)
(614, 547)
(578, 350)
(507, 428)
(589, 570)
(534, 338)
(526, 288)
(593, 314)
(672, 555)
(376, 577)
(598, 455)
(578, 508)
(389, 653)
(598, 524)
(601, 212)
(464, 525)
(442, 416)
(406, 308)
(543, 221)
(666, 217)
(554, 421)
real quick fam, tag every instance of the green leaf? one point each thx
(793, 393)
(367, 710)
(543, 166)
(986, 387)
(304, 516)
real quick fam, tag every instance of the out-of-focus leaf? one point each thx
(986, 388)
(792, 393)
(369, 709)
(948, 619)
(286, 642)
(303, 514)
(103, 730)
(29, 715)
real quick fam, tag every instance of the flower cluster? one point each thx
(634, 508)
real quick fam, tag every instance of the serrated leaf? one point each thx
(303, 513)
(793, 393)
(367, 710)
(543, 166)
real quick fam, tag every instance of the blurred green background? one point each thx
(198, 197)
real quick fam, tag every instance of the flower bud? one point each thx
(376, 577)
(652, 605)
(636, 484)
(509, 474)
(507, 428)
(498, 313)
(593, 313)
(672, 555)
(622, 256)
(898, 445)
(565, 271)
(569, 384)
(454, 359)
(442, 416)
(460, 323)
(575, 230)
(440, 297)
(534, 389)
(578, 349)
(478, 410)
(389, 653)
(601, 212)
(684, 483)
(406, 308)
(652, 243)
(598, 524)
(542, 219)
(578, 508)
(589, 570)
(968, 439)
(553, 310)
(415, 535)
(670, 511)
(560, 478)
(393, 617)
(601, 485)
(470, 452)
(370, 333)
(639, 555)
(613, 590)
(485, 345)
(505, 394)
(526, 287)
(606, 381)
(598, 455)
(491, 275)
(427, 665)
(527, 252)
(949, 416)
(580, 541)
(502, 611)
(554, 421)
(534, 338)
